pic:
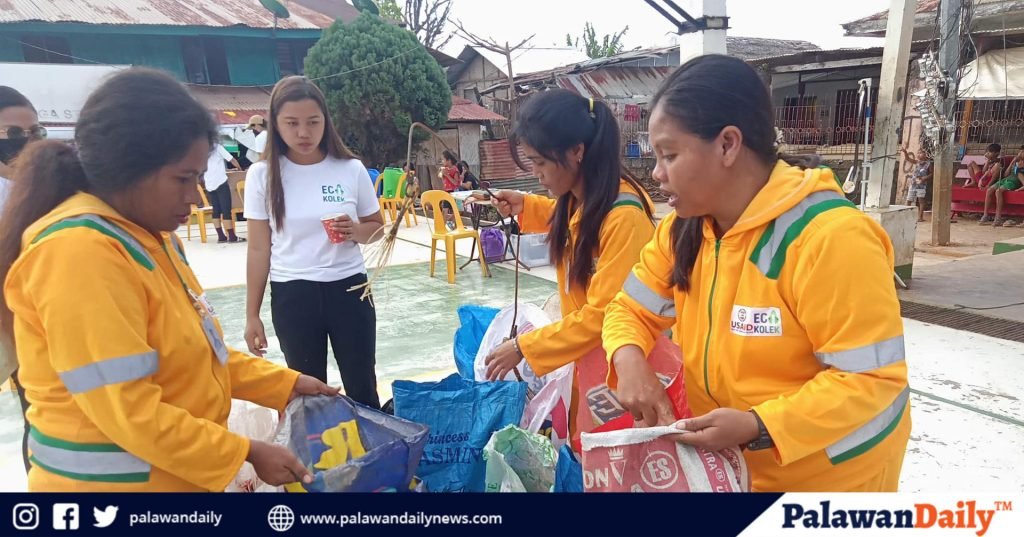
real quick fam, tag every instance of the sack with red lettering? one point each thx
(597, 403)
(644, 460)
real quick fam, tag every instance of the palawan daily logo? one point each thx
(964, 515)
(747, 321)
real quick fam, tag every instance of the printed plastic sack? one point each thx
(257, 423)
(493, 242)
(548, 412)
(519, 461)
(528, 318)
(568, 472)
(598, 404)
(461, 414)
(644, 460)
(473, 323)
(350, 447)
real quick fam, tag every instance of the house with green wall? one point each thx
(203, 42)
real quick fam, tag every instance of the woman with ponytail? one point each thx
(597, 223)
(119, 351)
(778, 290)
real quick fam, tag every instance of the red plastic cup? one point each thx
(335, 237)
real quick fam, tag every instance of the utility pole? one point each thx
(702, 33)
(892, 96)
(949, 63)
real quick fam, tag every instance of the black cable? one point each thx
(962, 307)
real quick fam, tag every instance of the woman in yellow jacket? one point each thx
(120, 353)
(778, 290)
(597, 223)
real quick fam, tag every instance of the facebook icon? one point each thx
(65, 516)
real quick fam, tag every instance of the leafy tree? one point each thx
(389, 10)
(610, 45)
(378, 80)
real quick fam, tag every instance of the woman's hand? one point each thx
(640, 391)
(275, 465)
(307, 385)
(345, 225)
(255, 336)
(509, 202)
(719, 429)
(503, 359)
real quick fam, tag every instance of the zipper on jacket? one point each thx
(707, 341)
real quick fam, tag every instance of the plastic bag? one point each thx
(548, 412)
(568, 472)
(643, 460)
(350, 447)
(461, 414)
(257, 423)
(598, 404)
(493, 242)
(519, 461)
(528, 318)
(473, 323)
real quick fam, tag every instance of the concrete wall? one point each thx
(469, 145)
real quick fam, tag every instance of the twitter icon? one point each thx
(105, 517)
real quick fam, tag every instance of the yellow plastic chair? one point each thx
(235, 211)
(201, 215)
(394, 205)
(432, 199)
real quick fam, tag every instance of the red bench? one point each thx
(972, 199)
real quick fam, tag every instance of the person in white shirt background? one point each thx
(258, 125)
(215, 181)
(19, 124)
(309, 179)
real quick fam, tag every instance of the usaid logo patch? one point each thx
(747, 321)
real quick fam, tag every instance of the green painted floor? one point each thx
(416, 317)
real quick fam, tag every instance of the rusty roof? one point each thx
(208, 13)
(988, 15)
(466, 111)
(496, 162)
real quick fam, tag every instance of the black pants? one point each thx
(220, 200)
(307, 313)
(24, 412)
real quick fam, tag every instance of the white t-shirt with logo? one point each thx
(301, 251)
(216, 171)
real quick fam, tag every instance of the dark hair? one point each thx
(450, 157)
(554, 122)
(703, 96)
(10, 97)
(290, 90)
(994, 148)
(135, 123)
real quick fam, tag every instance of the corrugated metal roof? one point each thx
(616, 83)
(464, 110)
(496, 162)
(210, 13)
(924, 16)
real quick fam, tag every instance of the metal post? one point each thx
(696, 44)
(949, 62)
(892, 95)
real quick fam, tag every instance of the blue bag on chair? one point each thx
(350, 447)
(461, 414)
(568, 472)
(473, 323)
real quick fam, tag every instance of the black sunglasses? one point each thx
(36, 132)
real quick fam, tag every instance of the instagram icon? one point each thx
(26, 516)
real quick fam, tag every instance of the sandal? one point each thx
(985, 221)
(998, 222)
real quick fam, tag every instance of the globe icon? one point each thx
(281, 518)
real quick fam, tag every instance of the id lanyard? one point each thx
(206, 314)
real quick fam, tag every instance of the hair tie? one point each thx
(592, 108)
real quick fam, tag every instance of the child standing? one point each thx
(918, 191)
